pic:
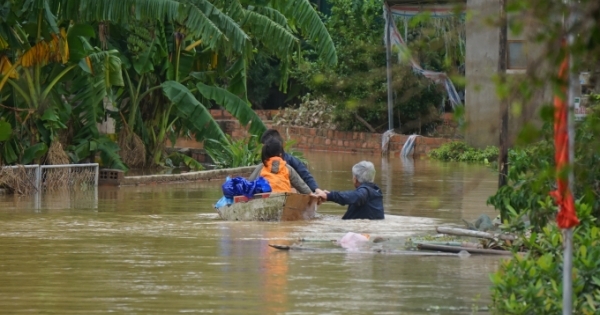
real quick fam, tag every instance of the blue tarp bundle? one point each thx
(239, 186)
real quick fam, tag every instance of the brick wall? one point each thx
(320, 139)
(264, 114)
(353, 142)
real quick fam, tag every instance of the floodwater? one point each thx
(162, 250)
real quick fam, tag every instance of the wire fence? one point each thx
(21, 179)
(79, 177)
(69, 186)
(28, 179)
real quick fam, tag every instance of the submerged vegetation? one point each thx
(458, 151)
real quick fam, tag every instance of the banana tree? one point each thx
(228, 32)
(52, 80)
(190, 59)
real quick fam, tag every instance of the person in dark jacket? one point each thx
(366, 201)
(297, 165)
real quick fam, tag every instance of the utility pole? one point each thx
(388, 55)
(502, 60)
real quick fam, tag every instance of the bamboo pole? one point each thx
(567, 298)
(457, 249)
(374, 251)
(471, 233)
(456, 244)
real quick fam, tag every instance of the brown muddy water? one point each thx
(163, 250)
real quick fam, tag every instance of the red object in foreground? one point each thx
(237, 199)
(566, 218)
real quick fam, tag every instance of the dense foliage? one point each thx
(532, 283)
(154, 66)
(357, 86)
(458, 151)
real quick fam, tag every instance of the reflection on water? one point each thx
(162, 250)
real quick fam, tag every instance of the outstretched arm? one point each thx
(358, 196)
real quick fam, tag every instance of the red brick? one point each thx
(340, 143)
(327, 141)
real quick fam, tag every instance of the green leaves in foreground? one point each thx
(302, 14)
(243, 152)
(235, 106)
(34, 152)
(5, 130)
(193, 113)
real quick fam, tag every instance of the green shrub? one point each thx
(459, 151)
(532, 284)
(238, 153)
(243, 152)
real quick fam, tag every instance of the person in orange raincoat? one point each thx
(277, 172)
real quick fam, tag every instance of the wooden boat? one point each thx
(271, 207)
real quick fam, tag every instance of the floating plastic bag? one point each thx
(239, 186)
(353, 241)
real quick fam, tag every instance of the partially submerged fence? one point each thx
(69, 186)
(27, 179)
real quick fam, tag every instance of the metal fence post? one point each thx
(97, 174)
(38, 178)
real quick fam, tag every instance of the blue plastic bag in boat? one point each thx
(262, 186)
(239, 186)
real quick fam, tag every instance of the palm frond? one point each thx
(121, 10)
(235, 36)
(308, 21)
(232, 8)
(200, 17)
(50, 17)
(202, 27)
(237, 107)
(194, 115)
(238, 84)
(90, 91)
(273, 15)
(272, 35)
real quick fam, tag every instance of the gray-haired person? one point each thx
(366, 201)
